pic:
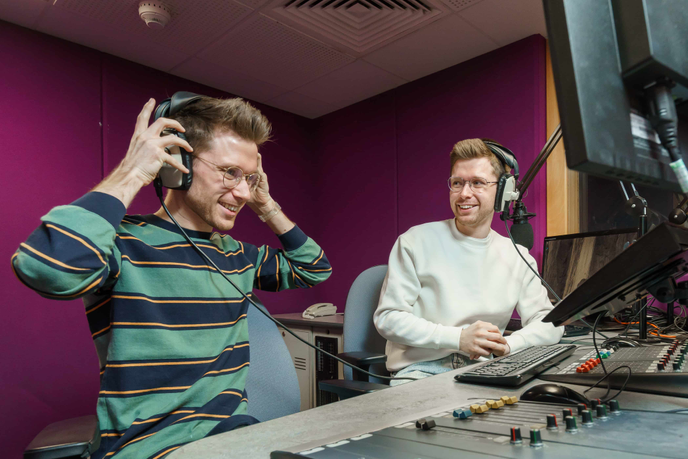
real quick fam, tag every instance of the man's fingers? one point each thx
(174, 140)
(492, 336)
(144, 117)
(174, 163)
(166, 123)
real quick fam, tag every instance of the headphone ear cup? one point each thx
(171, 177)
(500, 204)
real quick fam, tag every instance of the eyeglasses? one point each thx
(476, 184)
(232, 175)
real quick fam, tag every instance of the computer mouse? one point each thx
(621, 342)
(554, 393)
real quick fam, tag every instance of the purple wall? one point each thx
(55, 96)
(354, 180)
(385, 161)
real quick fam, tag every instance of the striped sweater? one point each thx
(170, 332)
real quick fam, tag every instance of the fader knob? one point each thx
(601, 411)
(587, 417)
(552, 422)
(425, 424)
(516, 435)
(535, 438)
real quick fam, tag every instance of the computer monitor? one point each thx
(569, 260)
(648, 263)
(604, 55)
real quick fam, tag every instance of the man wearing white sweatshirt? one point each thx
(452, 285)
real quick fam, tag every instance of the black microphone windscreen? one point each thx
(523, 234)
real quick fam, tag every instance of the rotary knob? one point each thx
(601, 411)
(516, 435)
(552, 422)
(587, 417)
(571, 425)
(535, 438)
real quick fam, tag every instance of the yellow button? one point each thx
(505, 399)
(512, 400)
(474, 408)
(482, 409)
(499, 403)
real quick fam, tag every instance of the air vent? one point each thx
(358, 25)
(300, 363)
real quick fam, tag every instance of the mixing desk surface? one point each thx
(653, 369)
(509, 428)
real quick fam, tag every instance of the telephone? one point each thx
(319, 310)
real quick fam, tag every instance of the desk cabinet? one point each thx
(325, 333)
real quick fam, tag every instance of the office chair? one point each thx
(363, 345)
(272, 387)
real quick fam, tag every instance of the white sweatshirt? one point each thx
(440, 281)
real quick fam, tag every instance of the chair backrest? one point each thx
(272, 384)
(360, 333)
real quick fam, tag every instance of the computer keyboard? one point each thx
(517, 368)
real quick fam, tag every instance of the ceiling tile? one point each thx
(227, 80)
(193, 24)
(301, 105)
(265, 49)
(442, 44)
(352, 83)
(22, 12)
(107, 38)
(507, 22)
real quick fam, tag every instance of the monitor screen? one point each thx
(604, 56)
(569, 260)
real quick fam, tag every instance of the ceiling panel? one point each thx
(227, 80)
(21, 12)
(442, 44)
(507, 21)
(302, 105)
(352, 83)
(193, 24)
(267, 50)
(108, 38)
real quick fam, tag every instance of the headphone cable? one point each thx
(158, 191)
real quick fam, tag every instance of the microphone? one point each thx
(521, 230)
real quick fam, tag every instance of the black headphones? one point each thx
(169, 176)
(506, 184)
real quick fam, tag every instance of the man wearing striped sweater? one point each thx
(170, 332)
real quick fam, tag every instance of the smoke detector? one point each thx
(156, 15)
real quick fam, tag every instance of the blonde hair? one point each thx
(208, 116)
(473, 149)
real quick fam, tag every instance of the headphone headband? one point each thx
(173, 105)
(502, 153)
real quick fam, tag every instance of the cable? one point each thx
(506, 224)
(604, 369)
(158, 190)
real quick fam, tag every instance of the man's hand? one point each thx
(145, 156)
(482, 339)
(261, 202)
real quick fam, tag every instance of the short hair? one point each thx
(476, 148)
(208, 116)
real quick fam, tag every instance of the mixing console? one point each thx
(654, 369)
(510, 428)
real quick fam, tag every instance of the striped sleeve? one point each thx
(72, 253)
(301, 263)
